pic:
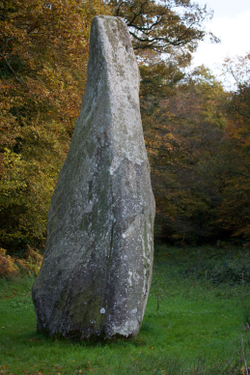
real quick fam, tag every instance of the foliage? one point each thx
(29, 264)
(197, 135)
(31, 261)
(238, 68)
(171, 27)
(185, 142)
(235, 210)
(43, 60)
(7, 265)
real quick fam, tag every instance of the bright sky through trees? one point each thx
(231, 23)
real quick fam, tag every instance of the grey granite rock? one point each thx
(97, 268)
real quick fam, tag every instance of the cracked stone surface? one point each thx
(97, 267)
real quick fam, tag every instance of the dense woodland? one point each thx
(197, 133)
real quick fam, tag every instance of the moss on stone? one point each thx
(98, 256)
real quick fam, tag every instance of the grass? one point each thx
(192, 325)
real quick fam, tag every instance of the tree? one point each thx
(235, 210)
(172, 27)
(43, 61)
(185, 146)
(164, 35)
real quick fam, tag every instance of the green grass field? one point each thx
(193, 324)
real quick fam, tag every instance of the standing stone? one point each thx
(97, 267)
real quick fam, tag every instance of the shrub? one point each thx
(30, 263)
(7, 264)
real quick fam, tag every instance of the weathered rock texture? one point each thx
(97, 269)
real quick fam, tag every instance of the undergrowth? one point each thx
(30, 263)
(193, 324)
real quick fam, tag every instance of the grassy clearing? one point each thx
(192, 325)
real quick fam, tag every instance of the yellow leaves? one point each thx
(31, 263)
(2, 251)
(33, 254)
(26, 187)
(243, 370)
(12, 176)
(7, 265)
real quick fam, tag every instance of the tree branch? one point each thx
(13, 71)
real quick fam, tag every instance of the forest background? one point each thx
(196, 131)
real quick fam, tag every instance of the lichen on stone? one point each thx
(97, 268)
